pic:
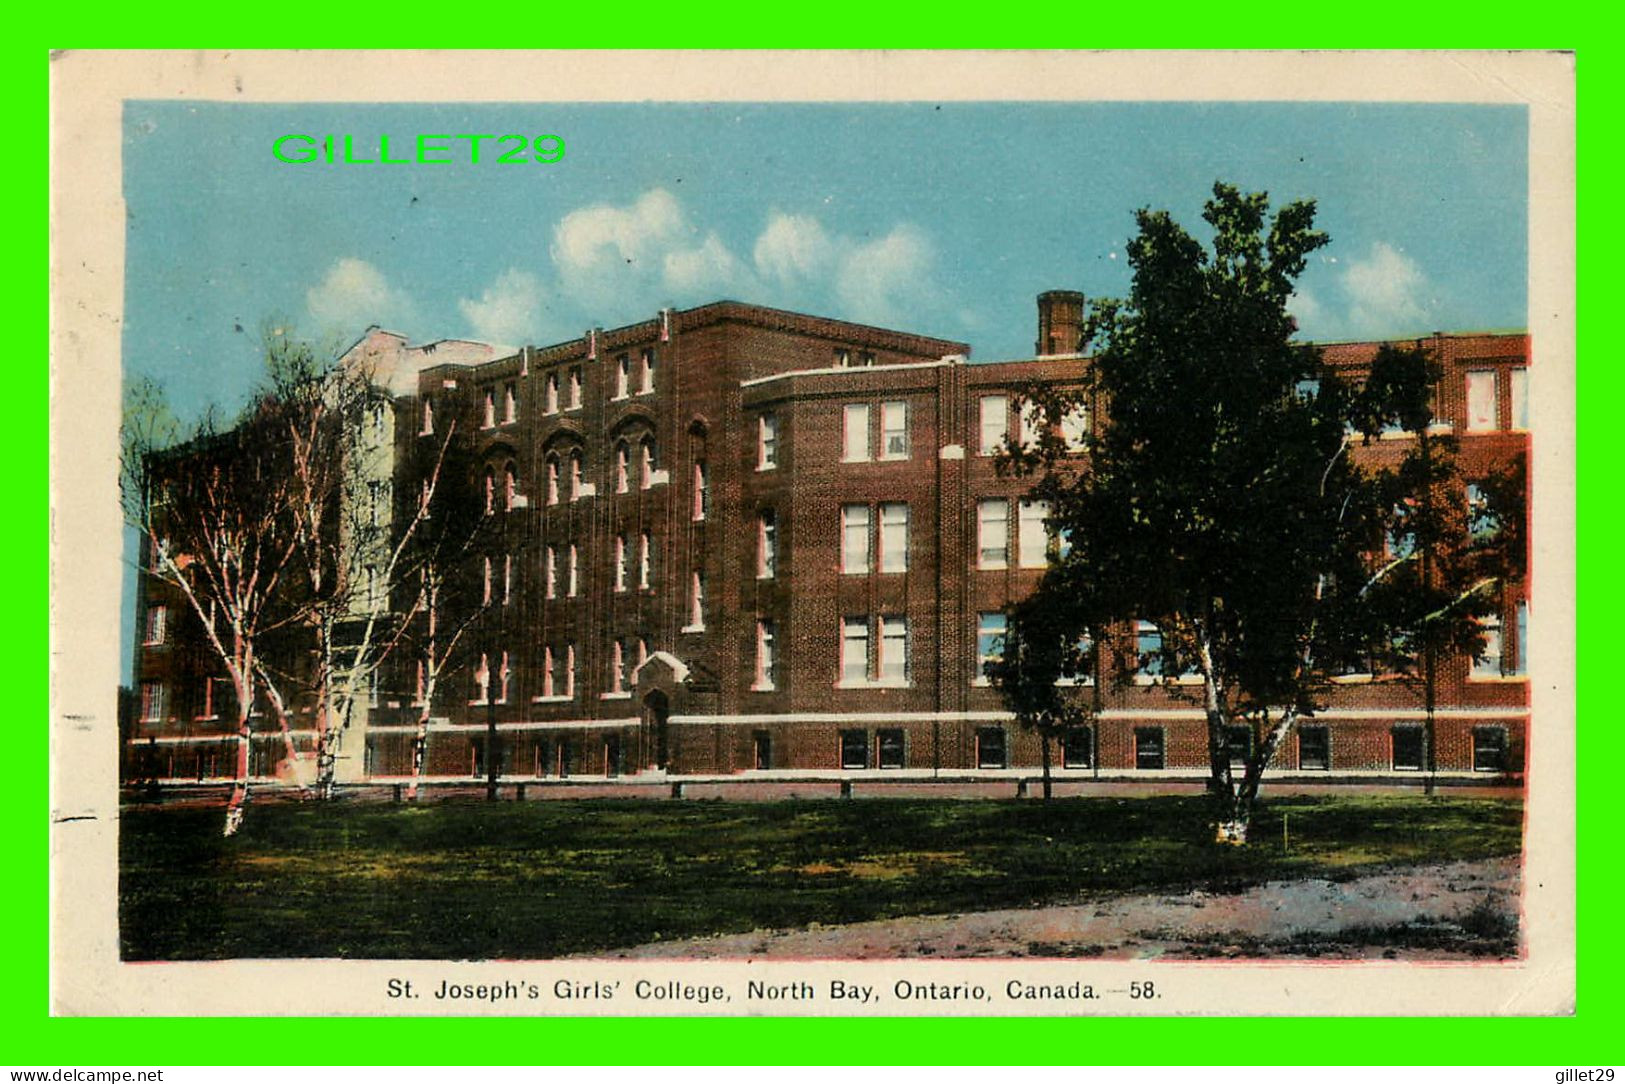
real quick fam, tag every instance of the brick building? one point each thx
(733, 539)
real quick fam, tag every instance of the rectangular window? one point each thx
(550, 397)
(1239, 741)
(1489, 749)
(1078, 747)
(575, 573)
(485, 583)
(989, 641)
(894, 537)
(854, 749)
(767, 545)
(157, 625)
(994, 423)
(550, 572)
(1315, 749)
(1481, 413)
(855, 433)
(570, 669)
(1148, 646)
(762, 750)
(549, 674)
(1034, 534)
(894, 430)
(1075, 428)
(645, 562)
(894, 650)
(620, 562)
(617, 666)
(1149, 750)
(1518, 379)
(701, 493)
(1521, 667)
(623, 375)
(854, 650)
(1407, 748)
(767, 442)
(648, 374)
(854, 538)
(696, 601)
(575, 389)
(153, 707)
(990, 748)
(992, 533)
(889, 748)
(1489, 663)
(1032, 424)
(766, 671)
(507, 578)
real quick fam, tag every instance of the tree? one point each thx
(1044, 671)
(1221, 504)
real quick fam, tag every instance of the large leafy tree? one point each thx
(1221, 501)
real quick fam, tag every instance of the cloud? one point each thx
(355, 294)
(510, 311)
(793, 249)
(1388, 294)
(709, 269)
(889, 280)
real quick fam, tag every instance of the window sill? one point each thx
(1029, 566)
(615, 696)
(691, 629)
(205, 718)
(894, 458)
(768, 688)
(981, 683)
(619, 398)
(551, 699)
(865, 459)
(1074, 683)
(1353, 679)
(1002, 566)
(760, 469)
(879, 683)
(1142, 679)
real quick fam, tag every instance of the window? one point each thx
(894, 537)
(1521, 667)
(762, 750)
(617, 666)
(549, 676)
(648, 462)
(1239, 741)
(153, 706)
(767, 442)
(488, 409)
(1489, 662)
(575, 388)
(550, 572)
(645, 562)
(621, 464)
(1033, 537)
(502, 680)
(1314, 749)
(1518, 385)
(428, 416)
(990, 747)
(552, 480)
(1148, 646)
(1077, 747)
(157, 625)
(696, 601)
(510, 487)
(1481, 414)
(482, 680)
(206, 691)
(510, 405)
(490, 491)
(992, 533)
(375, 504)
(1032, 423)
(1407, 748)
(570, 669)
(620, 562)
(889, 747)
(990, 628)
(766, 671)
(1075, 428)
(854, 749)
(866, 358)
(550, 394)
(641, 657)
(623, 375)
(574, 570)
(854, 650)
(894, 650)
(995, 423)
(1481, 522)
(701, 490)
(507, 578)
(855, 430)
(1489, 749)
(843, 357)
(894, 430)
(767, 533)
(575, 476)
(1149, 753)
(485, 584)
(648, 374)
(854, 538)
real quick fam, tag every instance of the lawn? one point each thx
(453, 880)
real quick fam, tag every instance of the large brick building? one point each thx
(733, 539)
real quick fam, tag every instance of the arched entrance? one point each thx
(656, 712)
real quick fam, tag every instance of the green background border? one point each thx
(31, 1037)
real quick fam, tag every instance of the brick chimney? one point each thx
(1060, 322)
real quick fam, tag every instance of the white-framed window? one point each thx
(1481, 405)
(486, 583)
(701, 490)
(767, 545)
(993, 533)
(1518, 386)
(766, 660)
(645, 562)
(622, 467)
(1075, 428)
(482, 680)
(488, 409)
(154, 701)
(620, 562)
(854, 538)
(990, 629)
(157, 630)
(623, 375)
(647, 384)
(507, 578)
(1521, 666)
(696, 601)
(854, 650)
(575, 388)
(894, 537)
(894, 650)
(550, 572)
(1490, 663)
(994, 423)
(855, 433)
(490, 491)
(575, 475)
(1032, 423)
(767, 442)
(510, 404)
(574, 573)
(894, 430)
(375, 504)
(510, 487)
(570, 669)
(1033, 534)
(503, 674)
(549, 677)
(550, 393)
(647, 463)
(617, 666)
(552, 480)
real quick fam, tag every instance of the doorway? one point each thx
(656, 712)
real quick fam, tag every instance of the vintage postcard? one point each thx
(812, 533)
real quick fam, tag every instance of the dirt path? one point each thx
(1453, 911)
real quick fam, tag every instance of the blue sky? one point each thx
(943, 219)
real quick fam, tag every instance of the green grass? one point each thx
(456, 880)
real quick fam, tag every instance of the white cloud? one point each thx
(355, 294)
(510, 310)
(793, 249)
(889, 280)
(1311, 315)
(709, 269)
(1388, 294)
(606, 255)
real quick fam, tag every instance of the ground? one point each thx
(1430, 876)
